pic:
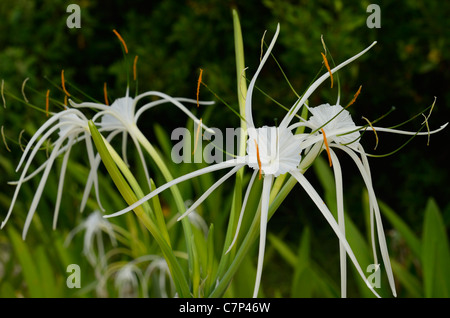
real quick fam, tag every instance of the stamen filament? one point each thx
(374, 131)
(3, 96)
(258, 158)
(262, 42)
(63, 84)
(328, 68)
(23, 89)
(198, 85)
(4, 140)
(47, 102)
(20, 140)
(426, 121)
(121, 40)
(326, 146)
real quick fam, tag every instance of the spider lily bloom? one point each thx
(71, 126)
(129, 276)
(271, 151)
(122, 117)
(333, 127)
(94, 226)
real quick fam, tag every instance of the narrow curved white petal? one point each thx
(288, 118)
(209, 191)
(62, 175)
(25, 169)
(93, 175)
(244, 205)
(265, 197)
(146, 107)
(404, 132)
(215, 167)
(177, 104)
(248, 100)
(40, 189)
(341, 219)
(41, 130)
(380, 230)
(332, 222)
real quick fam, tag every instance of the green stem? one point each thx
(130, 197)
(174, 189)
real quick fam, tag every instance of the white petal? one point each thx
(265, 196)
(381, 235)
(341, 219)
(332, 222)
(244, 205)
(61, 180)
(218, 166)
(177, 104)
(209, 191)
(288, 118)
(248, 100)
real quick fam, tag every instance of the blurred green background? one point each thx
(407, 68)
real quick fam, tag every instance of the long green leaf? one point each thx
(130, 197)
(398, 224)
(435, 253)
(27, 263)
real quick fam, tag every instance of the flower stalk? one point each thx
(130, 197)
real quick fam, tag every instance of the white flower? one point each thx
(271, 151)
(94, 225)
(122, 117)
(131, 276)
(127, 281)
(72, 127)
(333, 127)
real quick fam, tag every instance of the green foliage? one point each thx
(173, 39)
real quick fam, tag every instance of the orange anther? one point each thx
(328, 67)
(134, 67)
(198, 85)
(258, 158)
(354, 97)
(326, 146)
(105, 94)
(63, 83)
(121, 40)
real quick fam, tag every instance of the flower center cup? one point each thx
(273, 150)
(122, 108)
(335, 118)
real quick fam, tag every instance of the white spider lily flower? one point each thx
(122, 117)
(130, 276)
(71, 126)
(271, 151)
(127, 281)
(164, 279)
(94, 226)
(339, 131)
